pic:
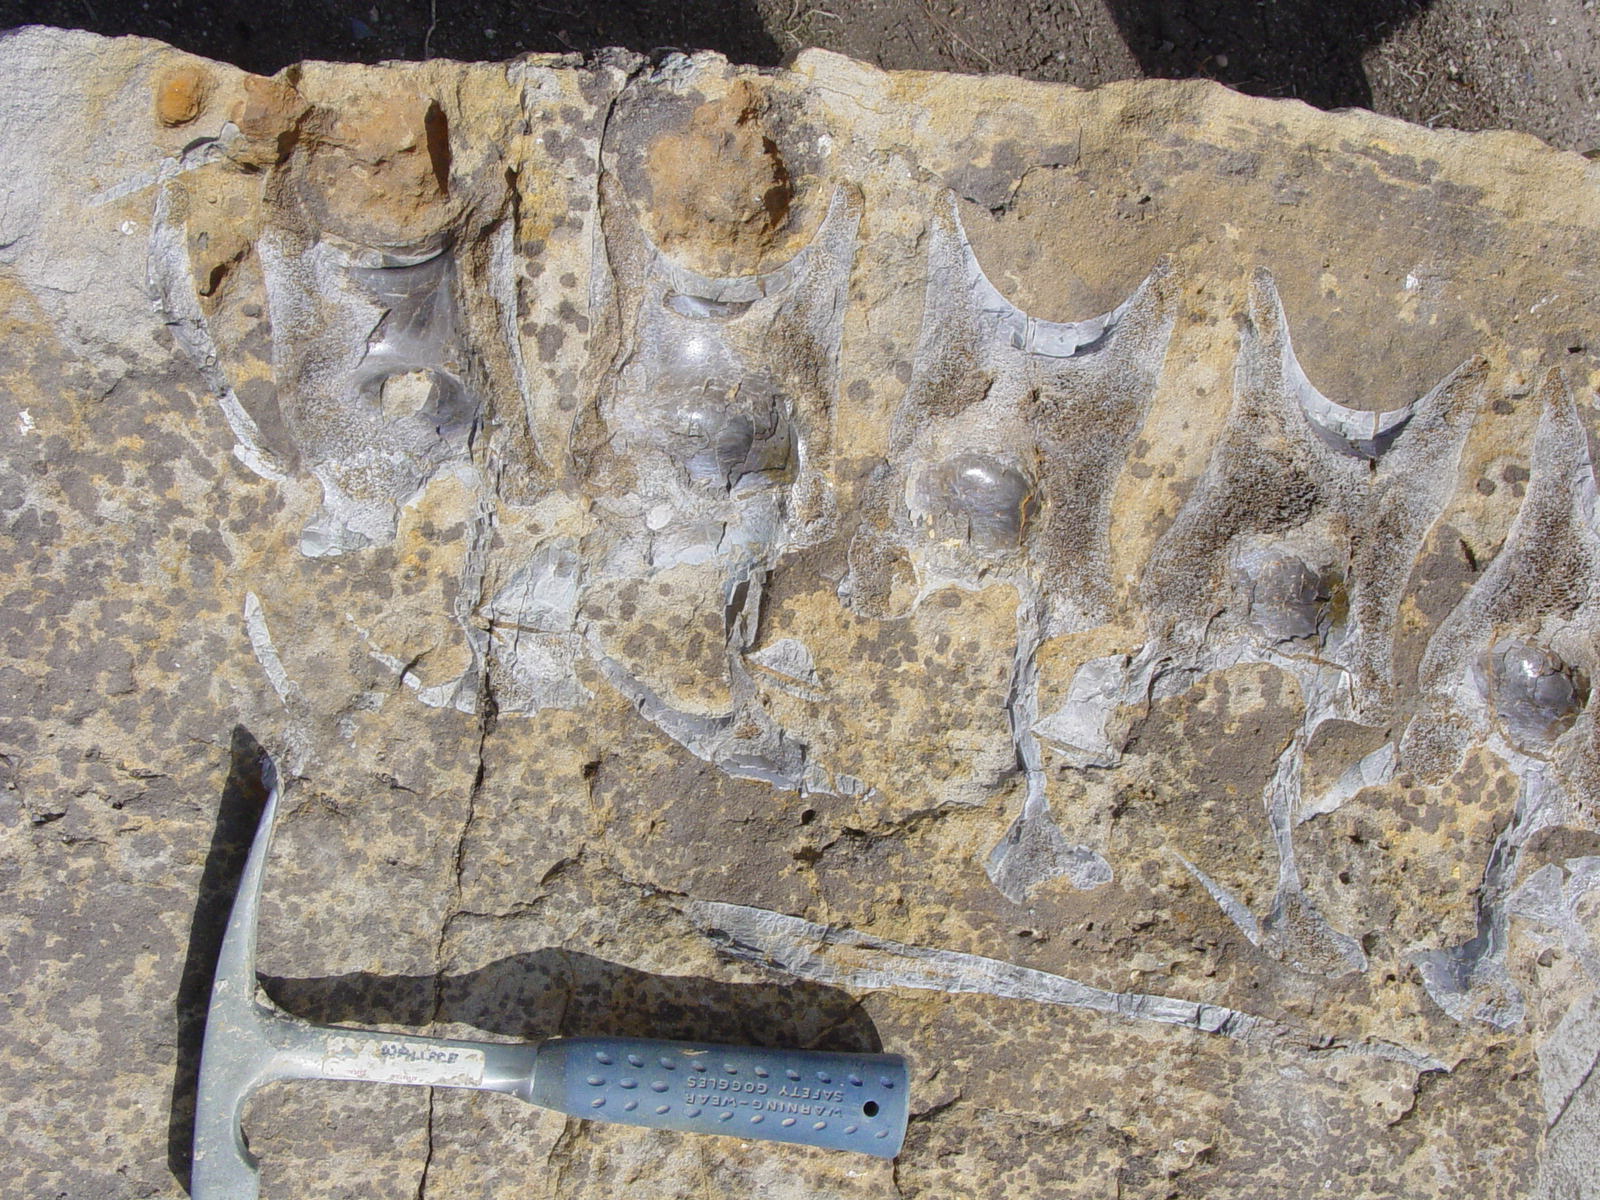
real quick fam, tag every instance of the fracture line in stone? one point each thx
(847, 958)
(1569, 1057)
(470, 595)
(462, 692)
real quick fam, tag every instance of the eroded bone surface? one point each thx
(1094, 591)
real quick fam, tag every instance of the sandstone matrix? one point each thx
(1092, 590)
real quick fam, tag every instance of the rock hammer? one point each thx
(837, 1101)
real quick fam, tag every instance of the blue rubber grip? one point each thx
(809, 1097)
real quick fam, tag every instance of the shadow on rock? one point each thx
(564, 993)
(266, 35)
(244, 796)
(1304, 49)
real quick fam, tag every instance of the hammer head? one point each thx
(238, 1054)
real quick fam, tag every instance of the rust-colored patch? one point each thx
(721, 189)
(268, 116)
(378, 173)
(181, 95)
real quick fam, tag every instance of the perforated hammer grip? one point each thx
(810, 1097)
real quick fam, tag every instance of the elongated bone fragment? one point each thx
(170, 277)
(846, 957)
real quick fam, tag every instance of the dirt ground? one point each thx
(1532, 65)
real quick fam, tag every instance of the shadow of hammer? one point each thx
(853, 1102)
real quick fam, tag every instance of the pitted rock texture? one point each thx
(1093, 591)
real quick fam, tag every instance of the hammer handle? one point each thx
(810, 1097)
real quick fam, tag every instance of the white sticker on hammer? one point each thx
(399, 1061)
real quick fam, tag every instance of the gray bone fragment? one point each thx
(1034, 851)
(1089, 728)
(170, 276)
(1534, 694)
(370, 366)
(848, 958)
(790, 664)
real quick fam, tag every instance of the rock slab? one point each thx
(1094, 591)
